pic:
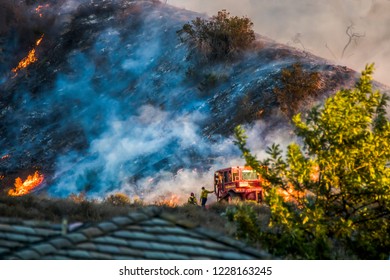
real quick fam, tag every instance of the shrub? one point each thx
(295, 85)
(118, 199)
(221, 37)
(246, 220)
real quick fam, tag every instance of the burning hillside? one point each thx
(27, 186)
(111, 101)
(29, 59)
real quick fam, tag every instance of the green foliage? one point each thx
(339, 179)
(295, 85)
(246, 222)
(221, 37)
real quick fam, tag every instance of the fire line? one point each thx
(29, 59)
(25, 187)
(39, 9)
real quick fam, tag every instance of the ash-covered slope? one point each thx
(113, 102)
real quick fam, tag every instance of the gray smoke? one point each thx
(125, 94)
(320, 26)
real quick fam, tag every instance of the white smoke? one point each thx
(147, 133)
(143, 124)
(321, 26)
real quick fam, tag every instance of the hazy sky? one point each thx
(317, 26)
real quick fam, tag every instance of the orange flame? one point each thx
(29, 59)
(23, 188)
(290, 194)
(171, 201)
(39, 9)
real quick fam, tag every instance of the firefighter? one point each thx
(203, 196)
(192, 199)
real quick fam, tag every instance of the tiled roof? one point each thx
(148, 234)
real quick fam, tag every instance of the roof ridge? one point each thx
(240, 245)
(88, 231)
(91, 231)
(172, 218)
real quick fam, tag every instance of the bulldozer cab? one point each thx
(239, 174)
(240, 182)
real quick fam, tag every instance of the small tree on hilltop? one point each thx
(340, 178)
(221, 37)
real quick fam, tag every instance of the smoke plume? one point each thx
(112, 101)
(318, 27)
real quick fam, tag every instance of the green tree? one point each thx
(339, 177)
(294, 86)
(220, 37)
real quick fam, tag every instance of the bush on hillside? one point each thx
(219, 38)
(294, 86)
(118, 199)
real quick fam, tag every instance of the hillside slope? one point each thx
(113, 102)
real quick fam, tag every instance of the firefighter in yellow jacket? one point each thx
(203, 196)
(192, 199)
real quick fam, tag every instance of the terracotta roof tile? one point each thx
(182, 239)
(76, 237)
(162, 247)
(127, 234)
(42, 225)
(109, 249)
(88, 246)
(193, 250)
(155, 255)
(78, 254)
(92, 255)
(212, 245)
(195, 241)
(18, 237)
(136, 253)
(171, 230)
(110, 240)
(44, 248)
(121, 220)
(139, 216)
(147, 234)
(156, 222)
(5, 227)
(60, 242)
(120, 257)
(140, 245)
(23, 229)
(56, 257)
(199, 251)
(28, 254)
(8, 243)
(107, 226)
(92, 231)
(45, 232)
(3, 251)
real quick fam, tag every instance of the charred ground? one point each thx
(112, 72)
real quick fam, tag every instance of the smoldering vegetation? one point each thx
(115, 104)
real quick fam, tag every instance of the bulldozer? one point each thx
(238, 183)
